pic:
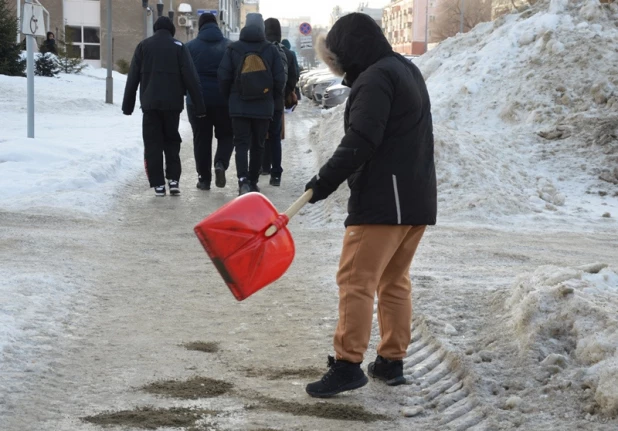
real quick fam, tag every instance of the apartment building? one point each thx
(407, 25)
(248, 6)
(86, 22)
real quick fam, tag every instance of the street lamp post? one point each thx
(109, 82)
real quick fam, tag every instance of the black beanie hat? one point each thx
(164, 23)
(206, 18)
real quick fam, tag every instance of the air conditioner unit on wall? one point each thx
(184, 21)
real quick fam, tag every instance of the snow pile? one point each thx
(568, 319)
(83, 148)
(526, 116)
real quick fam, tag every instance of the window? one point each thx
(86, 41)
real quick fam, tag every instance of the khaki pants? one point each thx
(375, 258)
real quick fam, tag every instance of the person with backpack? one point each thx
(207, 51)
(292, 101)
(163, 70)
(271, 163)
(387, 157)
(251, 76)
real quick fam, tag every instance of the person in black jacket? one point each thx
(163, 70)
(387, 157)
(207, 51)
(250, 118)
(271, 163)
(49, 45)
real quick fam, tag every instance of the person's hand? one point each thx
(319, 192)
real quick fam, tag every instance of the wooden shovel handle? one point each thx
(292, 210)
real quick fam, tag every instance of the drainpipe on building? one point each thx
(145, 7)
(427, 26)
(30, 79)
(170, 12)
(160, 9)
(461, 18)
(109, 82)
(18, 20)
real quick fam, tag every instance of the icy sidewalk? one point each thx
(83, 148)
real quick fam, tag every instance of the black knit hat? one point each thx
(207, 18)
(164, 23)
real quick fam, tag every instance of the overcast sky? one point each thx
(318, 10)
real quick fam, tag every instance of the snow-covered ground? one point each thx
(526, 119)
(83, 148)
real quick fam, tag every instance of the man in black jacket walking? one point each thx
(163, 70)
(207, 51)
(271, 163)
(250, 118)
(387, 157)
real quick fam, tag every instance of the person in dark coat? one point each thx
(271, 163)
(163, 70)
(286, 43)
(387, 157)
(207, 51)
(250, 118)
(49, 45)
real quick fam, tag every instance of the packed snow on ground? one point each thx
(526, 118)
(83, 148)
(566, 318)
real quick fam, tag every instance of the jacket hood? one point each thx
(353, 44)
(273, 30)
(210, 33)
(164, 23)
(286, 43)
(254, 28)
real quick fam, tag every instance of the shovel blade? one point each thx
(234, 239)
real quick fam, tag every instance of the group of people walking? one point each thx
(238, 90)
(386, 156)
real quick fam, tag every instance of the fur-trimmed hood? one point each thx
(353, 44)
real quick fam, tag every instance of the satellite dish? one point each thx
(184, 8)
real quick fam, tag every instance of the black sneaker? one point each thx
(275, 181)
(202, 185)
(243, 187)
(254, 187)
(219, 175)
(388, 371)
(174, 190)
(342, 376)
(159, 191)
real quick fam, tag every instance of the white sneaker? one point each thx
(174, 190)
(159, 190)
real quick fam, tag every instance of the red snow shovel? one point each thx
(248, 241)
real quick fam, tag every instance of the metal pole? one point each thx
(145, 7)
(427, 26)
(18, 20)
(461, 18)
(30, 80)
(109, 82)
(160, 9)
(170, 12)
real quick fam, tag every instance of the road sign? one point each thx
(306, 42)
(305, 29)
(210, 11)
(33, 22)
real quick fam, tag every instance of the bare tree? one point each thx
(448, 18)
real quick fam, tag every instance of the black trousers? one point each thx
(249, 137)
(219, 118)
(271, 162)
(160, 133)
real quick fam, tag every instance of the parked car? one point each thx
(309, 86)
(322, 84)
(335, 95)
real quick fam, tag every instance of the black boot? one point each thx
(342, 376)
(388, 371)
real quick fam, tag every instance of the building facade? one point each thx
(85, 21)
(248, 6)
(407, 25)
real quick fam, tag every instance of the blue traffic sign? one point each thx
(202, 11)
(305, 29)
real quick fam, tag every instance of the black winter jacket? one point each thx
(387, 153)
(293, 73)
(207, 51)
(252, 38)
(163, 70)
